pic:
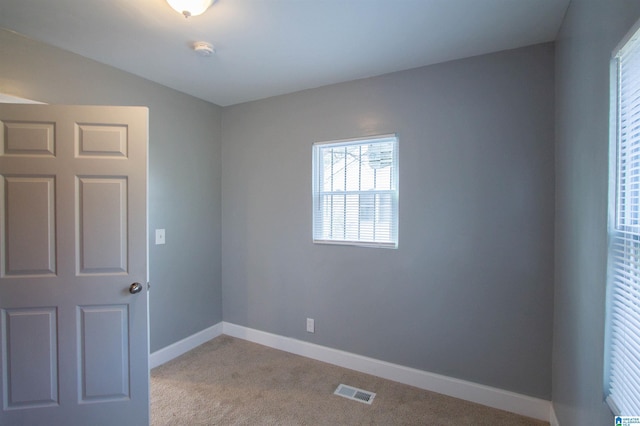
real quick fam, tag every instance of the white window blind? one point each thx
(624, 239)
(355, 192)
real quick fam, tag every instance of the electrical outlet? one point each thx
(311, 325)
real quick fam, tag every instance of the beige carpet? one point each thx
(229, 381)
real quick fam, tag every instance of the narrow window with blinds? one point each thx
(355, 192)
(623, 298)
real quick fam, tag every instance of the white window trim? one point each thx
(316, 172)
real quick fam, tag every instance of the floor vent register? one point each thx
(355, 394)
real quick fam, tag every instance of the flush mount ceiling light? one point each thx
(190, 7)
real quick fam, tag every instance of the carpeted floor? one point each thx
(229, 381)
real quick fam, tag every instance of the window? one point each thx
(623, 299)
(355, 192)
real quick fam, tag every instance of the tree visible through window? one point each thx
(355, 192)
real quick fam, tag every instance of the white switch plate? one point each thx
(311, 326)
(159, 236)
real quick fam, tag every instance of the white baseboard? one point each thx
(174, 350)
(553, 419)
(493, 397)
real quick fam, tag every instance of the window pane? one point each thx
(623, 351)
(355, 191)
(353, 160)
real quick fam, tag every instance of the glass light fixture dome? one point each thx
(190, 7)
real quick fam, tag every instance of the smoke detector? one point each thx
(203, 48)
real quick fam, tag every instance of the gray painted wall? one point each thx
(184, 174)
(590, 32)
(469, 291)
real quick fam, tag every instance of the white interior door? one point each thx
(73, 239)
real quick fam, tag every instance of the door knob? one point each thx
(135, 288)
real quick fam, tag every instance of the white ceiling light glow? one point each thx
(190, 7)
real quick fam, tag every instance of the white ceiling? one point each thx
(270, 47)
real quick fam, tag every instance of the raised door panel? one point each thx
(101, 140)
(102, 225)
(28, 228)
(27, 138)
(29, 349)
(104, 353)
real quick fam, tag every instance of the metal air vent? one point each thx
(355, 394)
